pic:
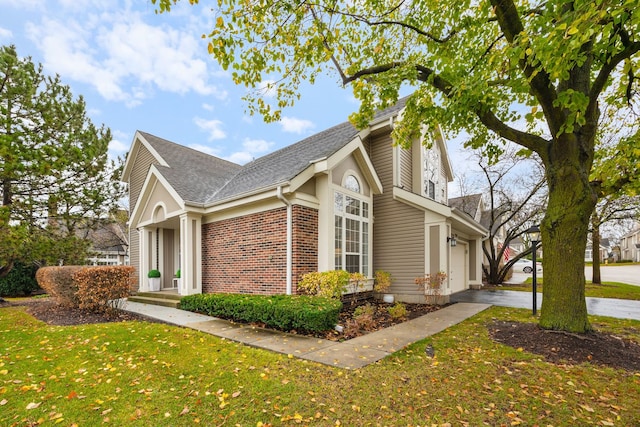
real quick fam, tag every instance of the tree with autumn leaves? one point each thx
(55, 175)
(534, 73)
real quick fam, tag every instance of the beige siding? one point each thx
(143, 161)
(349, 164)
(398, 231)
(406, 169)
(139, 170)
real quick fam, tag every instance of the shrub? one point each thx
(153, 274)
(102, 288)
(398, 311)
(383, 281)
(178, 273)
(21, 281)
(284, 312)
(86, 287)
(58, 283)
(328, 284)
(363, 318)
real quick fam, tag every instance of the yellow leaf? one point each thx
(219, 22)
(572, 30)
(4, 372)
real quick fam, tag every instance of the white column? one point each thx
(190, 254)
(143, 264)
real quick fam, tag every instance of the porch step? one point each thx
(157, 298)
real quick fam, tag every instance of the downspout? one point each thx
(289, 238)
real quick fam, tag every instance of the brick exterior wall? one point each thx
(248, 254)
(305, 242)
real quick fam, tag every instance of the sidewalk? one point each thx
(352, 354)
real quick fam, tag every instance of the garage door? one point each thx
(458, 273)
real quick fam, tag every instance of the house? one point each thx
(604, 251)
(340, 199)
(109, 245)
(630, 244)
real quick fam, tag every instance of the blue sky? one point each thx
(139, 70)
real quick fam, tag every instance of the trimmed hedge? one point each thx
(21, 281)
(285, 312)
(95, 288)
(58, 283)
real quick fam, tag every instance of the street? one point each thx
(629, 274)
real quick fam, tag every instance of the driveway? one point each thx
(618, 308)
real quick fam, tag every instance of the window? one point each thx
(351, 227)
(351, 183)
(431, 171)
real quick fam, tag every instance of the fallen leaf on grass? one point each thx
(3, 402)
(33, 405)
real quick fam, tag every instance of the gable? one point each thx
(158, 201)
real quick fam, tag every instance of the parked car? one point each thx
(525, 266)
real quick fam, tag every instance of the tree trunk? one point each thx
(595, 252)
(564, 236)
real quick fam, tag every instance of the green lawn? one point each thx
(143, 374)
(606, 290)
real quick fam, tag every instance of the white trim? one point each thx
(133, 153)
(153, 179)
(289, 239)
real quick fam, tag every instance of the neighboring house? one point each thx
(109, 245)
(604, 250)
(340, 199)
(630, 245)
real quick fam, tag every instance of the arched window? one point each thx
(351, 227)
(351, 183)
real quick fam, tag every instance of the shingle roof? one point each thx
(467, 204)
(193, 174)
(201, 178)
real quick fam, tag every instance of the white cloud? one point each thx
(5, 34)
(208, 107)
(252, 148)
(123, 57)
(213, 127)
(293, 125)
(267, 88)
(118, 146)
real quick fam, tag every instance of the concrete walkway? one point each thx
(352, 354)
(618, 308)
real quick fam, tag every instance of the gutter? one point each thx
(289, 238)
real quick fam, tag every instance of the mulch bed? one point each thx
(49, 311)
(556, 347)
(563, 347)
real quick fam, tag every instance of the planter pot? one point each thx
(154, 284)
(388, 298)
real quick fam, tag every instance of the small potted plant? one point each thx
(176, 280)
(154, 280)
(383, 281)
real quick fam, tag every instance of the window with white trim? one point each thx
(351, 227)
(431, 173)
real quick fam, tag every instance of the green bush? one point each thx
(285, 312)
(21, 281)
(153, 274)
(398, 311)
